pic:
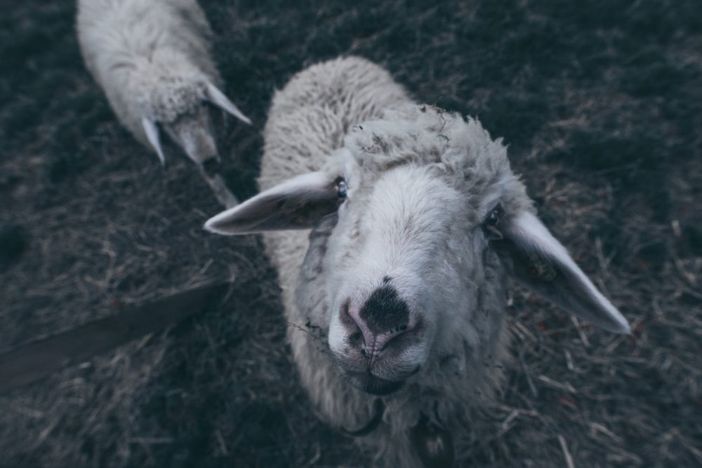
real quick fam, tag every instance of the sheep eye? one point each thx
(493, 218)
(341, 188)
(490, 225)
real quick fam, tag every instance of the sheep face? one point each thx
(421, 214)
(399, 263)
(194, 133)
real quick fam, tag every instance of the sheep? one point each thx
(394, 228)
(152, 60)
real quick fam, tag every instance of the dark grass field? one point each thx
(600, 103)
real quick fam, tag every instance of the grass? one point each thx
(600, 103)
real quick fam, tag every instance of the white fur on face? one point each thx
(395, 227)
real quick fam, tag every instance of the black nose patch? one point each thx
(385, 311)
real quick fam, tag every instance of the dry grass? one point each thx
(600, 104)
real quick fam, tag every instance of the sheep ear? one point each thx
(152, 135)
(539, 261)
(219, 99)
(298, 203)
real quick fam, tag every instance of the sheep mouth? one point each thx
(374, 385)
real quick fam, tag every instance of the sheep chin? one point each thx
(373, 385)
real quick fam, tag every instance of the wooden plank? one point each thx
(35, 360)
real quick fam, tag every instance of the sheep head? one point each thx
(178, 105)
(423, 216)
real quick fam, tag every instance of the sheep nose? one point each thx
(382, 318)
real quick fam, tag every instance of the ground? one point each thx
(600, 103)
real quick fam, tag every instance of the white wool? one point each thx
(309, 120)
(429, 206)
(151, 58)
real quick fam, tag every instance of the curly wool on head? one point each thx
(174, 96)
(424, 134)
(458, 149)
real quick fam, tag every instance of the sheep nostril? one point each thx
(372, 334)
(345, 315)
(356, 338)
